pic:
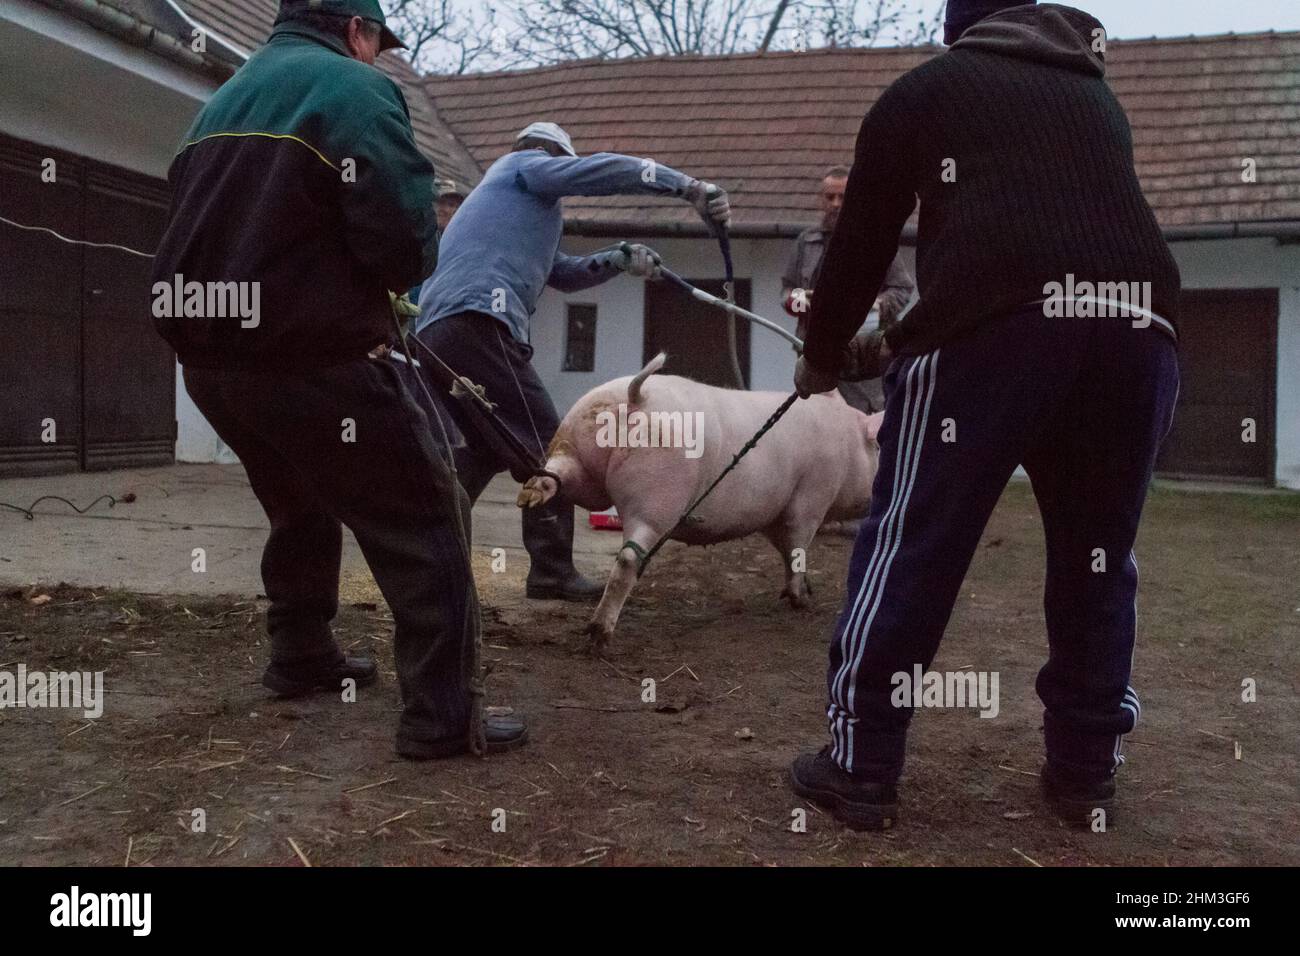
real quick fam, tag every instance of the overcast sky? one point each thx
(1164, 18)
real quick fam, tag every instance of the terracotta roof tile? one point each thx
(768, 125)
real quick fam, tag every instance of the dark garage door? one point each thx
(76, 340)
(694, 334)
(1228, 362)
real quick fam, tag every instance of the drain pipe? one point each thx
(125, 27)
(239, 52)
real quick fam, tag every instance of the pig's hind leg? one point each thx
(791, 536)
(622, 578)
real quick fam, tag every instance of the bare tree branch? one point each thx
(454, 36)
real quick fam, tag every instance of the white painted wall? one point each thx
(85, 92)
(81, 90)
(620, 314)
(1221, 264)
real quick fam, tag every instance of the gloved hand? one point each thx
(867, 356)
(710, 201)
(638, 260)
(810, 380)
(403, 305)
(404, 309)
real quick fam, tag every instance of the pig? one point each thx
(815, 465)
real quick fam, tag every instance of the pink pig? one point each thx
(651, 446)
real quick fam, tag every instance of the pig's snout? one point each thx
(537, 491)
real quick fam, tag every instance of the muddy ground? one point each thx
(697, 777)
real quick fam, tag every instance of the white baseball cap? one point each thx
(549, 132)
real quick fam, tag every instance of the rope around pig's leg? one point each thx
(645, 556)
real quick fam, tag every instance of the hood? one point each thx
(1046, 33)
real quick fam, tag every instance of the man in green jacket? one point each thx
(299, 200)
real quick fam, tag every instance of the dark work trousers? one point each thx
(1084, 405)
(481, 348)
(389, 486)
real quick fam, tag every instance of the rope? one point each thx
(644, 559)
(477, 738)
(77, 242)
(541, 447)
(462, 386)
(729, 294)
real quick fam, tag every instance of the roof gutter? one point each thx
(125, 27)
(615, 228)
(1283, 230)
(240, 53)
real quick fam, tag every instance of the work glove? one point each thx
(866, 357)
(638, 260)
(810, 380)
(404, 309)
(710, 201)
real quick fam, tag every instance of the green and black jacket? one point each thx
(301, 174)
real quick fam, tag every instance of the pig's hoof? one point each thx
(798, 597)
(598, 636)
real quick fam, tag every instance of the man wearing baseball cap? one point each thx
(1022, 160)
(300, 181)
(450, 196)
(498, 254)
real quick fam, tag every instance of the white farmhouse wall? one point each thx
(59, 58)
(1220, 264)
(620, 318)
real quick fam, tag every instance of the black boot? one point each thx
(502, 733)
(858, 804)
(548, 537)
(1077, 801)
(299, 678)
(576, 587)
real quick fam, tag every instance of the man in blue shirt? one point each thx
(497, 255)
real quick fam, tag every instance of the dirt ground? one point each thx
(697, 777)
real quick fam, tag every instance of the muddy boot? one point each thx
(503, 732)
(1075, 801)
(858, 804)
(299, 678)
(548, 536)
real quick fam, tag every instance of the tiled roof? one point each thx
(767, 125)
(247, 23)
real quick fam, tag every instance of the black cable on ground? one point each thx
(30, 514)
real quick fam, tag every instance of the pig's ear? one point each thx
(873, 425)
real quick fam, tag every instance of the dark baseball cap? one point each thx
(366, 9)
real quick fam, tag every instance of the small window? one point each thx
(580, 339)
